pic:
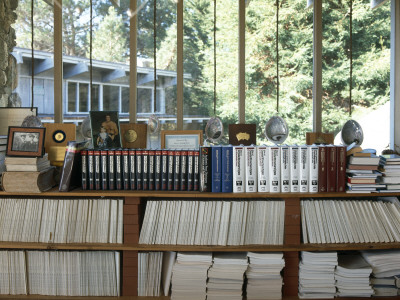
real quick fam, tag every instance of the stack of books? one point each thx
(362, 172)
(352, 276)
(389, 165)
(149, 281)
(317, 274)
(226, 275)
(386, 286)
(264, 279)
(384, 263)
(189, 275)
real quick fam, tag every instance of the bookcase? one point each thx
(133, 212)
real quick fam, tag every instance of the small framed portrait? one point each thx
(181, 139)
(25, 141)
(106, 132)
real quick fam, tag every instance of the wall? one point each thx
(8, 69)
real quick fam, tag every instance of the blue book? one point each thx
(226, 169)
(216, 175)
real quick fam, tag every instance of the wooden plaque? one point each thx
(319, 138)
(58, 134)
(133, 136)
(242, 134)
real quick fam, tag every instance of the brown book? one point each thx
(322, 188)
(28, 182)
(341, 168)
(331, 168)
(361, 180)
(362, 167)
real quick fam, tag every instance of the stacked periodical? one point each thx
(226, 275)
(386, 286)
(13, 273)
(149, 277)
(213, 223)
(389, 165)
(189, 275)
(351, 221)
(317, 274)
(352, 276)
(264, 279)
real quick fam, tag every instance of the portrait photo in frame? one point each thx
(181, 139)
(105, 129)
(25, 141)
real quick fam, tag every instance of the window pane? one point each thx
(371, 70)
(72, 87)
(110, 97)
(125, 99)
(295, 67)
(144, 99)
(95, 97)
(18, 73)
(83, 97)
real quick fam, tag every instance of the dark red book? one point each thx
(341, 169)
(322, 177)
(331, 168)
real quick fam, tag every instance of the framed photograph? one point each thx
(25, 141)
(13, 116)
(105, 129)
(181, 139)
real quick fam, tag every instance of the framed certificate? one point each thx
(181, 139)
(14, 116)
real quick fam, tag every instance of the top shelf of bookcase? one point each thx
(184, 194)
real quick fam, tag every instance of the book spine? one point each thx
(313, 168)
(125, 169)
(285, 169)
(322, 188)
(262, 169)
(97, 170)
(216, 173)
(170, 170)
(294, 169)
(118, 169)
(304, 169)
(164, 170)
(91, 169)
(250, 160)
(177, 169)
(151, 169)
(196, 170)
(139, 170)
(157, 169)
(190, 170)
(331, 163)
(205, 169)
(145, 168)
(239, 176)
(226, 169)
(341, 168)
(184, 175)
(84, 158)
(132, 168)
(111, 169)
(104, 169)
(274, 169)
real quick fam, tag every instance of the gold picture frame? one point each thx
(181, 139)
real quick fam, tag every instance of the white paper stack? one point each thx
(384, 263)
(264, 280)
(352, 276)
(386, 286)
(189, 275)
(149, 277)
(225, 277)
(317, 274)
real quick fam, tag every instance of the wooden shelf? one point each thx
(175, 194)
(53, 246)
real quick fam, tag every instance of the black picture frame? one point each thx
(25, 141)
(111, 136)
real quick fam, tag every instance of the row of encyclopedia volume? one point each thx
(283, 168)
(140, 169)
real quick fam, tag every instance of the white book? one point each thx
(303, 223)
(120, 221)
(285, 169)
(304, 169)
(250, 157)
(294, 158)
(313, 168)
(239, 173)
(262, 169)
(274, 169)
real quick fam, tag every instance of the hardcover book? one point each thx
(262, 169)
(285, 169)
(190, 170)
(151, 170)
(184, 168)
(125, 169)
(164, 170)
(304, 169)
(84, 170)
(216, 175)
(72, 167)
(97, 170)
(157, 169)
(226, 169)
(177, 169)
(28, 182)
(145, 169)
(111, 169)
(90, 169)
(132, 168)
(274, 169)
(239, 173)
(139, 170)
(294, 158)
(196, 168)
(331, 168)
(170, 170)
(205, 169)
(118, 169)
(322, 173)
(313, 152)
(250, 159)
(104, 169)
(341, 169)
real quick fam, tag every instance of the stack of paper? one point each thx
(386, 286)
(149, 279)
(225, 277)
(352, 276)
(189, 275)
(317, 274)
(264, 280)
(384, 263)
(389, 165)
